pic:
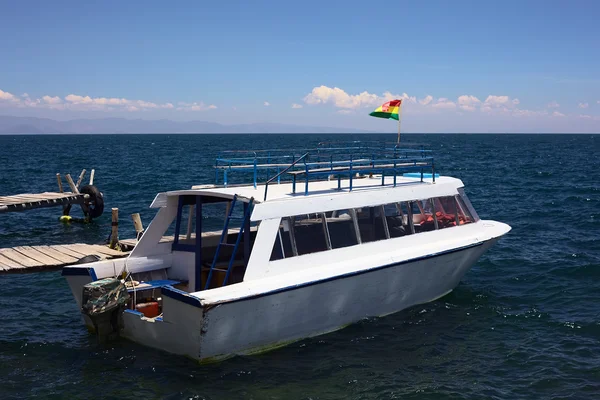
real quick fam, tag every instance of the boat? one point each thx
(309, 241)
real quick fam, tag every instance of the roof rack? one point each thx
(328, 159)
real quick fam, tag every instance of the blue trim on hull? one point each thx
(79, 271)
(196, 302)
(180, 295)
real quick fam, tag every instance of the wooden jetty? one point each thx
(35, 258)
(27, 201)
(88, 197)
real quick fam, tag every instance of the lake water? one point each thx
(523, 324)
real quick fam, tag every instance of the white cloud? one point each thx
(528, 113)
(428, 99)
(468, 102)
(7, 96)
(557, 114)
(344, 111)
(339, 98)
(77, 102)
(267, 104)
(405, 98)
(500, 101)
(444, 103)
(294, 105)
(183, 106)
(503, 104)
(553, 104)
(75, 99)
(52, 100)
(584, 116)
(583, 105)
(145, 104)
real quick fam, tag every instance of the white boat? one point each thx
(354, 232)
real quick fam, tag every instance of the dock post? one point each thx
(60, 188)
(114, 235)
(92, 176)
(137, 224)
(72, 184)
(80, 179)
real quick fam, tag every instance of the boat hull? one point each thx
(266, 321)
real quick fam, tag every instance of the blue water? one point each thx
(523, 324)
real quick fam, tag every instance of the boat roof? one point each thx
(283, 191)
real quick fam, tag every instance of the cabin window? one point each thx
(423, 211)
(445, 211)
(342, 230)
(310, 233)
(301, 234)
(371, 223)
(467, 204)
(464, 216)
(398, 219)
(284, 247)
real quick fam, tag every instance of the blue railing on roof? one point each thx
(337, 159)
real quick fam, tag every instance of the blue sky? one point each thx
(461, 66)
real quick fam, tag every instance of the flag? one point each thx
(388, 110)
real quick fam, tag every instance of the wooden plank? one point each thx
(128, 242)
(49, 251)
(98, 249)
(37, 255)
(19, 258)
(108, 251)
(34, 198)
(10, 263)
(65, 248)
(17, 200)
(82, 249)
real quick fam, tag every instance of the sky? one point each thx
(459, 66)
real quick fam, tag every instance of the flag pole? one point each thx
(399, 119)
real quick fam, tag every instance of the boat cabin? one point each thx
(226, 234)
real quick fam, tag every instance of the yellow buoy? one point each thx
(65, 219)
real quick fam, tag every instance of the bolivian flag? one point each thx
(388, 110)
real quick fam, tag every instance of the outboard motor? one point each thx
(104, 301)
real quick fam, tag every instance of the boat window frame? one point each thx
(185, 200)
(457, 204)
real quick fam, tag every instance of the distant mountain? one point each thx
(23, 125)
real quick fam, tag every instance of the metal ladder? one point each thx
(223, 240)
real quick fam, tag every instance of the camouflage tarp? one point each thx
(103, 295)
